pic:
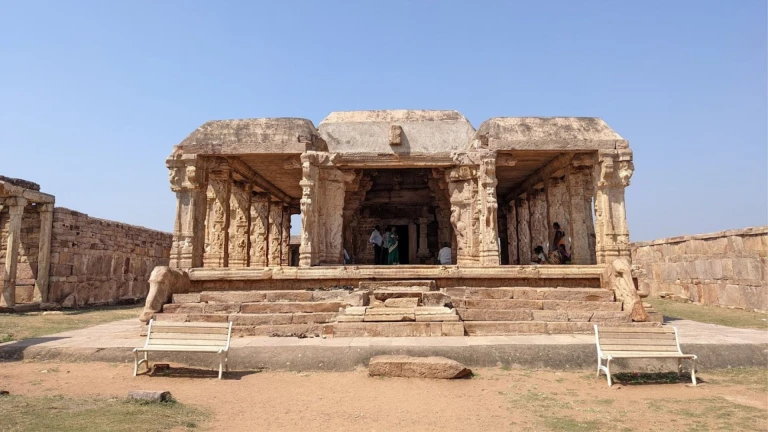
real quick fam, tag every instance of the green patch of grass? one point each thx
(35, 324)
(567, 424)
(711, 314)
(752, 378)
(21, 413)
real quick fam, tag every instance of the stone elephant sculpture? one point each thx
(164, 282)
(617, 276)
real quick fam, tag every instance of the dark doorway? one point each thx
(403, 243)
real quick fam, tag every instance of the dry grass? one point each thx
(711, 314)
(35, 324)
(24, 413)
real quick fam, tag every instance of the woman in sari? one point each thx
(394, 253)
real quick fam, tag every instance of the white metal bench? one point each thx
(627, 342)
(185, 337)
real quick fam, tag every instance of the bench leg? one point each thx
(135, 362)
(693, 371)
(599, 364)
(608, 372)
(679, 367)
(221, 363)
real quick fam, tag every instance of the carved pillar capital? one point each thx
(186, 172)
(612, 175)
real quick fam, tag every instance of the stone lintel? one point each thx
(540, 175)
(259, 182)
(9, 190)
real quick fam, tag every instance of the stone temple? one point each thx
(493, 194)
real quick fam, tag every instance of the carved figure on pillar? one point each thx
(525, 251)
(285, 240)
(220, 178)
(489, 249)
(307, 256)
(274, 250)
(239, 241)
(259, 225)
(462, 189)
(512, 238)
(582, 228)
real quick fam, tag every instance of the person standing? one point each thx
(394, 253)
(376, 240)
(444, 256)
(559, 236)
(385, 246)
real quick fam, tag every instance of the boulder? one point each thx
(416, 367)
(150, 396)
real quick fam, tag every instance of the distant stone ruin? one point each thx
(59, 257)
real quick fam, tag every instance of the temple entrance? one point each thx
(403, 243)
(414, 200)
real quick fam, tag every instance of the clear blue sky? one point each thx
(93, 94)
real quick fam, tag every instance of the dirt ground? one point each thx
(494, 399)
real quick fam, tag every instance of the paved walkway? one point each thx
(717, 346)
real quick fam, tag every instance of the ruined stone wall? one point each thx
(728, 268)
(26, 272)
(96, 261)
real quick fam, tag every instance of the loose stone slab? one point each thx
(151, 396)
(416, 367)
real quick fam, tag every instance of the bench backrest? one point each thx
(189, 334)
(651, 339)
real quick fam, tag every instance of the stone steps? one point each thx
(502, 328)
(395, 329)
(522, 293)
(398, 285)
(542, 315)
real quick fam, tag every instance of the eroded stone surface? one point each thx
(417, 367)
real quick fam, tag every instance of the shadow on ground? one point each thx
(639, 378)
(187, 372)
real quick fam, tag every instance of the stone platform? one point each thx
(400, 301)
(715, 346)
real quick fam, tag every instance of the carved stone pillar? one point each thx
(240, 215)
(524, 249)
(423, 250)
(307, 250)
(285, 239)
(558, 204)
(539, 229)
(462, 189)
(582, 230)
(220, 178)
(330, 211)
(188, 178)
(275, 233)
(489, 228)
(512, 238)
(612, 174)
(16, 211)
(44, 252)
(259, 226)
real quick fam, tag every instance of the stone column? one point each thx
(240, 215)
(330, 211)
(220, 178)
(16, 211)
(44, 252)
(275, 233)
(489, 228)
(582, 229)
(189, 181)
(512, 237)
(524, 248)
(285, 239)
(460, 190)
(259, 226)
(423, 251)
(558, 205)
(612, 174)
(539, 229)
(307, 253)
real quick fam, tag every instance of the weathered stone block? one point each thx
(263, 319)
(435, 298)
(292, 296)
(401, 302)
(311, 318)
(500, 328)
(183, 308)
(416, 367)
(290, 307)
(498, 304)
(186, 298)
(232, 296)
(610, 317)
(220, 318)
(549, 315)
(452, 329)
(338, 294)
(495, 315)
(221, 308)
(580, 306)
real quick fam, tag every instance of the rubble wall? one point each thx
(97, 261)
(728, 268)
